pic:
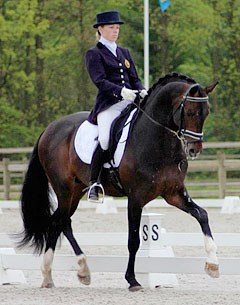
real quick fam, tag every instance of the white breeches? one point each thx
(105, 119)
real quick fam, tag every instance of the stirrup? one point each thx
(96, 184)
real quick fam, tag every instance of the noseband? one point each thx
(178, 115)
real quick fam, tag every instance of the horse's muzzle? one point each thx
(193, 149)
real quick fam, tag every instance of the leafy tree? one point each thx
(224, 51)
(14, 132)
(42, 57)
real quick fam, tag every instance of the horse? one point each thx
(167, 130)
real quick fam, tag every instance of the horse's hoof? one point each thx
(212, 270)
(135, 288)
(85, 280)
(84, 274)
(47, 285)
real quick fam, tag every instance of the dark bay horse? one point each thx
(168, 128)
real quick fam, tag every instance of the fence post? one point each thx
(10, 276)
(152, 246)
(6, 179)
(24, 160)
(222, 175)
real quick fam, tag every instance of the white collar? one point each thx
(111, 45)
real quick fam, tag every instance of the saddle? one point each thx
(86, 140)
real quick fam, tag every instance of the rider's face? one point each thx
(110, 31)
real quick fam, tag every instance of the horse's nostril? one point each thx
(192, 152)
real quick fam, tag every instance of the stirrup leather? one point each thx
(96, 184)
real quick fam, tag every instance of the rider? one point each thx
(112, 70)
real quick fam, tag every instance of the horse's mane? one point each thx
(169, 78)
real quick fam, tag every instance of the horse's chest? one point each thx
(167, 174)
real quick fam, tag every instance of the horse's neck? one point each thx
(152, 125)
(153, 145)
(159, 110)
(154, 132)
(155, 127)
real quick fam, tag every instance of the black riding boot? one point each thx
(98, 160)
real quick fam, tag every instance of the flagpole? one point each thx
(146, 44)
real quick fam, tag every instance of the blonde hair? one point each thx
(98, 35)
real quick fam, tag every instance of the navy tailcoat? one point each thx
(110, 74)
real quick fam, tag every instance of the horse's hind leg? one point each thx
(61, 222)
(186, 204)
(83, 272)
(55, 229)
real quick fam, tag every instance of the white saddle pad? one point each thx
(86, 141)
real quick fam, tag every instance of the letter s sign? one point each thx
(145, 232)
(155, 234)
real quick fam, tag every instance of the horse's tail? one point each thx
(35, 205)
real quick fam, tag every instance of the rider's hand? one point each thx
(128, 94)
(143, 93)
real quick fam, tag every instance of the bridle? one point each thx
(178, 117)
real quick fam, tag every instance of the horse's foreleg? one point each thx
(189, 206)
(83, 272)
(134, 218)
(212, 265)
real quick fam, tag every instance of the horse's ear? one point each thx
(210, 88)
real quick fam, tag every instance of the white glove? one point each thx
(143, 93)
(128, 94)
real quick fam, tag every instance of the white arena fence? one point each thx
(122, 203)
(149, 263)
(176, 265)
(230, 204)
(154, 257)
(167, 239)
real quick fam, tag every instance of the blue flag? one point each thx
(164, 4)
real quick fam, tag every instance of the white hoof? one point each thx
(85, 280)
(47, 285)
(212, 270)
(84, 275)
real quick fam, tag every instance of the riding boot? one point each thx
(98, 160)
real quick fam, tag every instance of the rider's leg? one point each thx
(104, 119)
(96, 166)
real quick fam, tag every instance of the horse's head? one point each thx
(189, 114)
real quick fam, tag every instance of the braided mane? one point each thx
(168, 78)
(171, 77)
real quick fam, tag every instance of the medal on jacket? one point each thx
(127, 63)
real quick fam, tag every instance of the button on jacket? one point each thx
(110, 74)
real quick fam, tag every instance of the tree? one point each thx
(14, 132)
(43, 45)
(225, 50)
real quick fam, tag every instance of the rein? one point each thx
(178, 115)
(179, 136)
